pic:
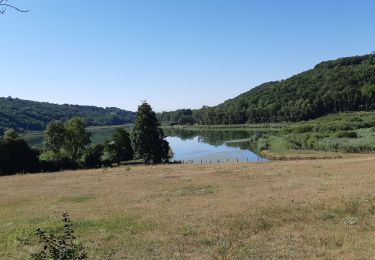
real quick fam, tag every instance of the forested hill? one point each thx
(346, 84)
(25, 115)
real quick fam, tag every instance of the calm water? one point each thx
(187, 145)
(197, 151)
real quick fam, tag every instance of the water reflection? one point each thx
(212, 146)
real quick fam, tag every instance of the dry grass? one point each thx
(287, 209)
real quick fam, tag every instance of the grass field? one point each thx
(285, 209)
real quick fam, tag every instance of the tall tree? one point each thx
(148, 138)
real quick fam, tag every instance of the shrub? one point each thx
(60, 243)
(262, 144)
(50, 161)
(15, 155)
(93, 156)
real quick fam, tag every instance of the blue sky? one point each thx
(172, 53)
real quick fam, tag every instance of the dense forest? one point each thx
(345, 84)
(24, 115)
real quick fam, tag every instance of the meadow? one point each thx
(281, 209)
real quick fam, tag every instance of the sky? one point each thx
(171, 53)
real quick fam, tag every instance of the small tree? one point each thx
(120, 149)
(54, 137)
(76, 138)
(148, 138)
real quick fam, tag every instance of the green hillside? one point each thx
(25, 115)
(346, 84)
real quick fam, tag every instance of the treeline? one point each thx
(178, 117)
(24, 115)
(346, 84)
(66, 145)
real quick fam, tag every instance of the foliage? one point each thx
(181, 116)
(24, 115)
(51, 162)
(68, 139)
(76, 138)
(60, 243)
(148, 138)
(119, 149)
(15, 155)
(187, 120)
(93, 156)
(54, 137)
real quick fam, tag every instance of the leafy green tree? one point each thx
(66, 141)
(148, 138)
(120, 148)
(15, 155)
(54, 136)
(76, 138)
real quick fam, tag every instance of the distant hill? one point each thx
(345, 84)
(25, 115)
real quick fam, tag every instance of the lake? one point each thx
(198, 146)
(195, 150)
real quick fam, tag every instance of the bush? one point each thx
(60, 243)
(262, 144)
(16, 156)
(93, 156)
(50, 162)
